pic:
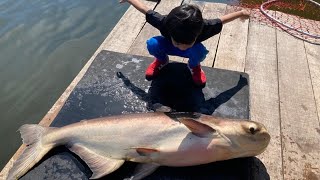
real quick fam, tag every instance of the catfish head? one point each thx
(233, 138)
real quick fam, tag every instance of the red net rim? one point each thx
(269, 3)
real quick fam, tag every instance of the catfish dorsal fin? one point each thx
(197, 128)
(99, 164)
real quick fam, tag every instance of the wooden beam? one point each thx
(313, 56)
(261, 65)
(232, 46)
(299, 120)
(125, 32)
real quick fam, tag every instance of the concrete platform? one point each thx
(115, 84)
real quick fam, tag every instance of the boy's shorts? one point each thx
(160, 47)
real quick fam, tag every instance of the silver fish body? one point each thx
(155, 139)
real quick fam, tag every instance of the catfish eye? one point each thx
(252, 130)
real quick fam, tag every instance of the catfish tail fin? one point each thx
(32, 135)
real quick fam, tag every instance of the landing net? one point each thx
(299, 18)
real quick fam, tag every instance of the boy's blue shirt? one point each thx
(211, 26)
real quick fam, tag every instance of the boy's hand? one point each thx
(245, 13)
(242, 14)
(137, 4)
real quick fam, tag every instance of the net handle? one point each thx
(262, 9)
(316, 3)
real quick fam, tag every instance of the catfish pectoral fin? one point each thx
(99, 165)
(197, 128)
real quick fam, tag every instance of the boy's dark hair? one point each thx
(184, 23)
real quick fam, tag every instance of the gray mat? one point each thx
(115, 84)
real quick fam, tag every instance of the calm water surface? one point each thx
(43, 46)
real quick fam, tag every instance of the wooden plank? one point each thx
(261, 65)
(148, 31)
(313, 56)
(231, 51)
(299, 120)
(125, 32)
(211, 11)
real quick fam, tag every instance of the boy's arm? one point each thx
(137, 4)
(232, 16)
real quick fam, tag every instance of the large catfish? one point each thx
(154, 139)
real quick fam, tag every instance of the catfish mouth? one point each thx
(242, 148)
(261, 142)
(243, 151)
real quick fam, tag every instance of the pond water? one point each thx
(43, 46)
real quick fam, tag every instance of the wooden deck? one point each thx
(284, 77)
